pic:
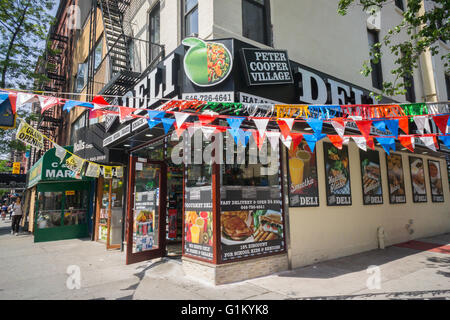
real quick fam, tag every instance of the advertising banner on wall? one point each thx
(396, 180)
(417, 172)
(337, 174)
(303, 183)
(434, 170)
(198, 222)
(251, 221)
(371, 177)
(145, 221)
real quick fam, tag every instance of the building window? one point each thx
(255, 20)
(447, 84)
(81, 78)
(81, 122)
(98, 54)
(409, 86)
(377, 75)
(399, 4)
(190, 18)
(154, 32)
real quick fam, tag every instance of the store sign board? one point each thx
(371, 177)
(16, 168)
(337, 174)
(266, 67)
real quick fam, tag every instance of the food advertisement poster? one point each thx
(396, 179)
(198, 222)
(434, 169)
(145, 228)
(337, 175)
(303, 183)
(371, 177)
(418, 179)
(251, 221)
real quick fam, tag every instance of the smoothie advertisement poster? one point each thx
(434, 170)
(303, 183)
(337, 175)
(396, 179)
(198, 222)
(417, 171)
(371, 177)
(251, 222)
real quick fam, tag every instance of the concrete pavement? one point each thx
(31, 270)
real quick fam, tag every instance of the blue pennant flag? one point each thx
(235, 133)
(445, 140)
(387, 144)
(392, 125)
(235, 122)
(244, 136)
(319, 136)
(380, 125)
(152, 123)
(3, 97)
(72, 103)
(167, 123)
(154, 114)
(311, 141)
(316, 125)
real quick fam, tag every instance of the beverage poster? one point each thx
(396, 180)
(198, 222)
(145, 224)
(303, 184)
(337, 174)
(434, 169)
(418, 179)
(371, 177)
(251, 221)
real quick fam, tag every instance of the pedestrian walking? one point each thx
(16, 217)
(4, 211)
(10, 210)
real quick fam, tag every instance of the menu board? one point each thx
(303, 183)
(371, 177)
(434, 170)
(417, 172)
(198, 222)
(337, 175)
(145, 224)
(396, 179)
(251, 221)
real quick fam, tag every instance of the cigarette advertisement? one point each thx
(371, 177)
(337, 175)
(418, 179)
(303, 184)
(251, 221)
(198, 222)
(396, 180)
(434, 170)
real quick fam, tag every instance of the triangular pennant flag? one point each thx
(100, 101)
(296, 139)
(407, 142)
(430, 142)
(403, 123)
(370, 143)
(392, 125)
(311, 141)
(60, 153)
(95, 113)
(167, 123)
(47, 103)
(180, 118)
(445, 140)
(23, 98)
(92, 170)
(72, 103)
(261, 125)
(286, 141)
(208, 131)
(259, 140)
(422, 123)
(316, 125)
(12, 101)
(346, 141)
(364, 127)
(235, 122)
(235, 133)
(153, 123)
(380, 125)
(244, 136)
(285, 126)
(441, 122)
(336, 140)
(387, 144)
(205, 119)
(156, 115)
(274, 139)
(125, 112)
(338, 125)
(360, 142)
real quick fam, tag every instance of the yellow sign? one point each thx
(70, 192)
(16, 168)
(30, 136)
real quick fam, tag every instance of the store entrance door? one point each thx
(146, 237)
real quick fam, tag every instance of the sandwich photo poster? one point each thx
(396, 179)
(337, 174)
(417, 172)
(251, 222)
(434, 170)
(371, 177)
(303, 183)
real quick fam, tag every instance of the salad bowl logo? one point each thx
(206, 63)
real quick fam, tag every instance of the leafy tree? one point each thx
(23, 26)
(424, 28)
(3, 167)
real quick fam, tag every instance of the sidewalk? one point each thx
(39, 271)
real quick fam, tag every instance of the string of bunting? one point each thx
(387, 119)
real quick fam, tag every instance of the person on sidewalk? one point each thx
(4, 210)
(16, 217)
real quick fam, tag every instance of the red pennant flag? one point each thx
(406, 142)
(285, 126)
(12, 101)
(258, 139)
(125, 112)
(205, 119)
(403, 123)
(100, 100)
(370, 143)
(296, 139)
(183, 127)
(441, 122)
(336, 140)
(364, 127)
(95, 113)
(47, 103)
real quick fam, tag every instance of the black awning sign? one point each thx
(267, 67)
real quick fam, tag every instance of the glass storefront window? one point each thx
(75, 207)
(49, 211)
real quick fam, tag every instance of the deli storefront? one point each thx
(262, 208)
